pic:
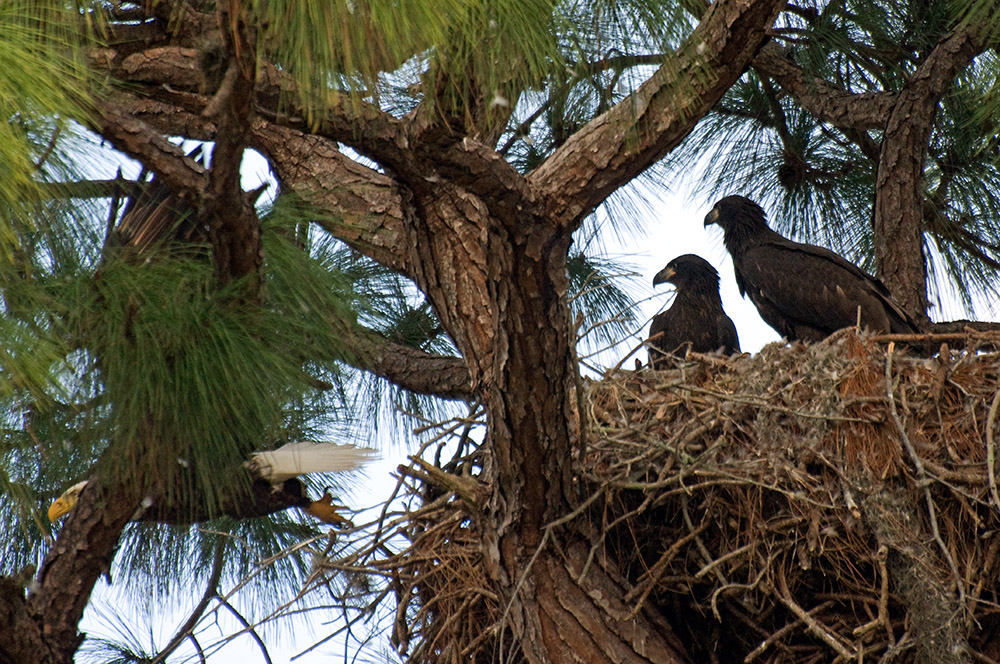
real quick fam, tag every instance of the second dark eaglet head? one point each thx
(684, 269)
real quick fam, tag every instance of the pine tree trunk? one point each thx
(504, 299)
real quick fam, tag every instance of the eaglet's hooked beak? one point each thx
(712, 217)
(664, 275)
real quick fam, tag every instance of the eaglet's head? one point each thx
(742, 223)
(688, 271)
(735, 210)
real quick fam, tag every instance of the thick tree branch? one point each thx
(175, 76)
(175, 20)
(477, 168)
(162, 66)
(360, 206)
(356, 204)
(170, 112)
(138, 140)
(237, 503)
(899, 231)
(359, 124)
(618, 145)
(961, 326)
(410, 368)
(826, 101)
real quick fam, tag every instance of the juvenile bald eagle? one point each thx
(276, 469)
(803, 291)
(695, 320)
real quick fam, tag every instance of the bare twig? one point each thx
(813, 625)
(721, 560)
(211, 590)
(42, 158)
(654, 573)
(882, 619)
(249, 630)
(766, 643)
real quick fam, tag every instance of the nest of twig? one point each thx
(809, 504)
(835, 502)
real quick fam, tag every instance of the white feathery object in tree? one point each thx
(296, 459)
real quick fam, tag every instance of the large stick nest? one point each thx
(835, 502)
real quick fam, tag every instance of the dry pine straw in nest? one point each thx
(834, 502)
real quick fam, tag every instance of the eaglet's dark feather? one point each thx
(803, 291)
(695, 319)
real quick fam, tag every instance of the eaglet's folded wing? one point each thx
(808, 292)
